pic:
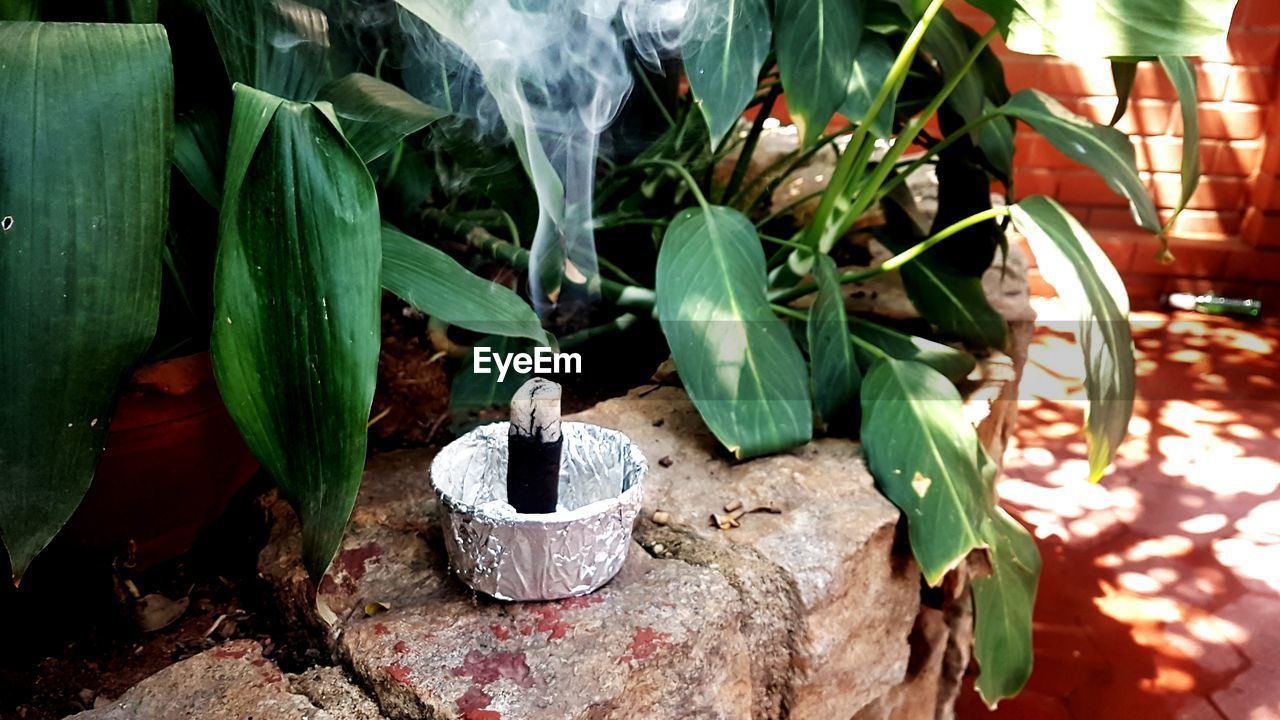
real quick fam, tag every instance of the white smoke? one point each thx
(554, 73)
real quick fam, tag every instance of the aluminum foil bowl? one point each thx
(515, 556)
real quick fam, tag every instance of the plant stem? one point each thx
(816, 236)
(684, 173)
(870, 192)
(748, 148)
(933, 151)
(653, 93)
(618, 324)
(897, 261)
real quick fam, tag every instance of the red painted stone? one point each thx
(398, 672)
(484, 669)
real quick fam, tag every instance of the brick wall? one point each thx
(1228, 238)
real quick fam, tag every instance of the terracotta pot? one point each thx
(172, 463)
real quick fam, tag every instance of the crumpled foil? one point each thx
(515, 556)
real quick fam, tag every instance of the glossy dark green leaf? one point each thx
(817, 43)
(376, 115)
(1183, 78)
(1107, 28)
(738, 362)
(869, 71)
(725, 45)
(200, 154)
(19, 10)
(1123, 73)
(85, 137)
(920, 448)
(873, 342)
(836, 376)
(1087, 282)
(1000, 10)
(297, 297)
(1105, 149)
(428, 279)
(1003, 603)
(950, 43)
(278, 47)
(953, 302)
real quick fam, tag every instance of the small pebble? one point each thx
(731, 506)
(666, 461)
(661, 517)
(659, 549)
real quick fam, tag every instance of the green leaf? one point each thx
(1002, 604)
(873, 342)
(953, 302)
(726, 43)
(1000, 10)
(19, 10)
(1110, 28)
(1123, 73)
(296, 306)
(920, 449)
(428, 279)
(142, 11)
(1086, 281)
(477, 398)
(1105, 149)
(200, 151)
(949, 44)
(817, 42)
(836, 376)
(376, 115)
(84, 146)
(1183, 78)
(870, 69)
(278, 47)
(738, 362)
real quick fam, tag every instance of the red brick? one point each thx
(1266, 193)
(1022, 72)
(1261, 229)
(1045, 155)
(1112, 218)
(1271, 156)
(1163, 153)
(1144, 117)
(1191, 260)
(1260, 14)
(1250, 85)
(1118, 250)
(1085, 187)
(1226, 120)
(1092, 77)
(1151, 81)
(1237, 157)
(1246, 47)
(1204, 224)
(1254, 265)
(1029, 181)
(1215, 192)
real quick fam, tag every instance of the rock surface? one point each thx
(235, 682)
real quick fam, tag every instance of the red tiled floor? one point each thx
(1160, 595)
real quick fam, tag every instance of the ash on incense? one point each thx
(538, 509)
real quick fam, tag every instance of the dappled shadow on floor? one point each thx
(1160, 595)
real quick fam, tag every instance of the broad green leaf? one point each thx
(142, 11)
(199, 152)
(1123, 73)
(85, 139)
(376, 115)
(873, 342)
(1000, 10)
(1105, 149)
(296, 306)
(1115, 28)
(1086, 281)
(836, 376)
(477, 398)
(726, 43)
(738, 362)
(280, 47)
(921, 450)
(954, 303)
(428, 279)
(817, 42)
(950, 42)
(19, 10)
(1183, 78)
(1003, 602)
(869, 71)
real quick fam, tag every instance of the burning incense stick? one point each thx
(533, 447)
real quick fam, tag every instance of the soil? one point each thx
(71, 635)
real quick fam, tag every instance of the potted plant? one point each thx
(328, 149)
